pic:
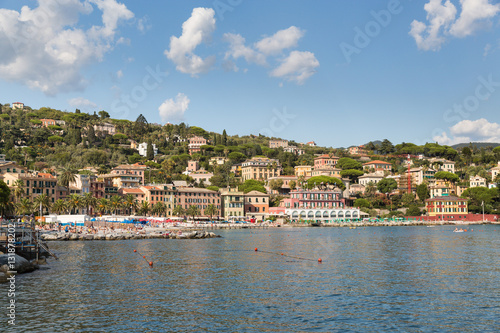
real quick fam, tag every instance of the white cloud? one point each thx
(472, 17)
(45, 48)
(237, 49)
(80, 102)
(144, 24)
(440, 17)
(196, 30)
(480, 130)
(297, 67)
(119, 74)
(173, 110)
(443, 22)
(283, 39)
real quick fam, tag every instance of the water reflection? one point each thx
(372, 279)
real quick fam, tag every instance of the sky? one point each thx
(339, 73)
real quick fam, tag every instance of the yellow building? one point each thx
(446, 206)
(303, 170)
(260, 168)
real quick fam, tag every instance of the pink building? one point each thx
(325, 160)
(314, 199)
(195, 144)
(199, 197)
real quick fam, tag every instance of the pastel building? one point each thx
(260, 168)
(377, 166)
(195, 144)
(446, 206)
(477, 181)
(325, 161)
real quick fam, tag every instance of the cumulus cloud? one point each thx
(45, 48)
(80, 102)
(173, 110)
(480, 130)
(196, 30)
(237, 49)
(440, 16)
(281, 40)
(442, 21)
(297, 67)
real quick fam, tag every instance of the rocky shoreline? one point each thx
(67, 236)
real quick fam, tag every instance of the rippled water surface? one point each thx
(401, 279)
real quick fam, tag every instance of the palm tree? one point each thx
(159, 208)
(370, 189)
(144, 208)
(102, 205)
(19, 190)
(43, 201)
(59, 206)
(178, 211)
(115, 203)
(75, 201)
(211, 210)
(193, 211)
(24, 207)
(67, 175)
(90, 202)
(130, 202)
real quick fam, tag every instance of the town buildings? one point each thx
(195, 144)
(377, 166)
(447, 206)
(278, 144)
(478, 181)
(233, 202)
(260, 168)
(143, 149)
(105, 128)
(256, 205)
(325, 161)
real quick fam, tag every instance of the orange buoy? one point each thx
(256, 250)
(150, 263)
(135, 250)
(319, 260)
(282, 254)
(144, 257)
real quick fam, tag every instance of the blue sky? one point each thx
(340, 73)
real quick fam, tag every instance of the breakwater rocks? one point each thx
(17, 265)
(64, 236)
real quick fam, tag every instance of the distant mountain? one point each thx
(476, 144)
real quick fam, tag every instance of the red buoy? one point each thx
(135, 250)
(144, 257)
(319, 260)
(256, 250)
(150, 263)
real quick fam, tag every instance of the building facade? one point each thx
(446, 206)
(260, 168)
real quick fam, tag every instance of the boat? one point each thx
(458, 231)
(316, 224)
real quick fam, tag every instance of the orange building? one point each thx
(325, 160)
(447, 206)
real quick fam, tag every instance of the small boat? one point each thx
(431, 226)
(352, 227)
(315, 224)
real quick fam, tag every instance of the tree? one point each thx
(4, 197)
(59, 206)
(144, 208)
(276, 184)
(237, 157)
(423, 192)
(193, 211)
(352, 174)
(43, 201)
(103, 114)
(370, 146)
(346, 163)
(445, 175)
(150, 154)
(292, 184)
(386, 147)
(74, 202)
(19, 190)
(24, 207)
(91, 136)
(130, 202)
(67, 175)
(387, 185)
(158, 208)
(211, 210)
(178, 210)
(115, 203)
(407, 199)
(90, 202)
(252, 185)
(370, 189)
(362, 203)
(224, 137)
(141, 126)
(318, 180)
(413, 210)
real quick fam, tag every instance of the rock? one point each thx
(110, 237)
(88, 237)
(21, 265)
(181, 237)
(73, 237)
(50, 237)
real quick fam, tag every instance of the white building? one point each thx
(143, 149)
(477, 181)
(371, 177)
(18, 105)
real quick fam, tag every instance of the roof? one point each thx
(195, 189)
(131, 166)
(256, 194)
(326, 156)
(376, 162)
(447, 198)
(132, 190)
